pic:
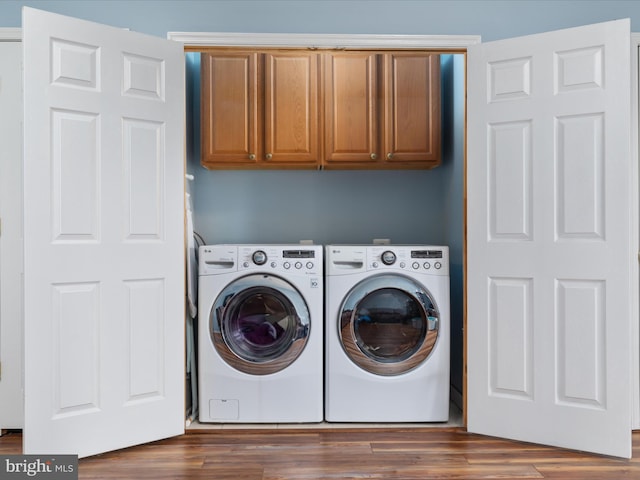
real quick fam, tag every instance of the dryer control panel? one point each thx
(426, 259)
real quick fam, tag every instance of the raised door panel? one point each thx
(351, 109)
(411, 121)
(291, 126)
(230, 109)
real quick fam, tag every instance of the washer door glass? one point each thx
(259, 324)
(388, 324)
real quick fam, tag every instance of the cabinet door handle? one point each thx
(373, 156)
(269, 156)
(252, 156)
(389, 156)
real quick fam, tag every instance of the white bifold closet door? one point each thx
(552, 269)
(104, 236)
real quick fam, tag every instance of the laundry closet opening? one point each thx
(409, 207)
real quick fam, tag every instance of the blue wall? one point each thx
(491, 19)
(350, 207)
(331, 206)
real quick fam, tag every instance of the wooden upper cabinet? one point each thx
(351, 108)
(260, 110)
(411, 119)
(231, 106)
(291, 128)
(335, 110)
(382, 110)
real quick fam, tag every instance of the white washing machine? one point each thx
(387, 333)
(260, 333)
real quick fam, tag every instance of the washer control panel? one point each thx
(301, 259)
(289, 259)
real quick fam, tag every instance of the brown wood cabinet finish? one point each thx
(260, 110)
(231, 102)
(382, 110)
(351, 108)
(411, 120)
(287, 109)
(291, 109)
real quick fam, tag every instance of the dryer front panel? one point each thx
(388, 324)
(259, 324)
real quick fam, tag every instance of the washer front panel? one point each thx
(388, 324)
(259, 324)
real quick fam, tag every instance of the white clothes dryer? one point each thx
(260, 333)
(387, 333)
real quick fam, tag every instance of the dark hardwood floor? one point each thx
(385, 453)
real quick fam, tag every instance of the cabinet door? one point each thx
(291, 128)
(351, 106)
(230, 109)
(411, 119)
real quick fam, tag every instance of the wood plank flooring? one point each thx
(386, 453)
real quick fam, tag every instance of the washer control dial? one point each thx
(388, 257)
(259, 257)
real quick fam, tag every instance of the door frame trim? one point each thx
(11, 336)
(194, 41)
(10, 34)
(342, 41)
(635, 233)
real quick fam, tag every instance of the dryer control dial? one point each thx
(259, 257)
(388, 257)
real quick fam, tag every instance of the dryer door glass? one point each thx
(259, 324)
(388, 324)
